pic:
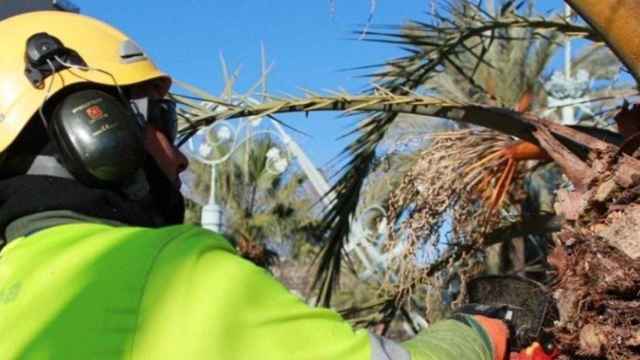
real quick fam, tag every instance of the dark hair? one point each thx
(17, 158)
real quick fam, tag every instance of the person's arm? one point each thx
(218, 305)
(465, 337)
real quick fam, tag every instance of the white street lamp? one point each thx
(566, 91)
(225, 133)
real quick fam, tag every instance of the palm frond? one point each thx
(496, 118)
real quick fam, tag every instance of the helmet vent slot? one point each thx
(131, 52)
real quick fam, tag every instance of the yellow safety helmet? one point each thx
(111, 56)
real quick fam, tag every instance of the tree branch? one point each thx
(578, 172)
(537, 225)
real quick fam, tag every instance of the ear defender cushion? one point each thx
(98, 137)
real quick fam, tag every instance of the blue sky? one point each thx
(307, 43)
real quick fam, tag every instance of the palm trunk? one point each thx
(597, 255)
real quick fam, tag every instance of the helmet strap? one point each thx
(45, 165)
(48, 165)
(138, 187)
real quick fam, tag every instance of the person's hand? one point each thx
(499, 334)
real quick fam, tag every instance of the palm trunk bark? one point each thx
(597, 255)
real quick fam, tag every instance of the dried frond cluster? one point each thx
(440, 209)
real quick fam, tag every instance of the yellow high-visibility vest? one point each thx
(97, 292)
(88, 291)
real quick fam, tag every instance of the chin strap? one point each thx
(31, 224)
(48, 165)
(138, 187)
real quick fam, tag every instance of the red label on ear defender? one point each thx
(95, 112)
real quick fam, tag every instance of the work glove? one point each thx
(494, 322)
(498, 333)
(533, 352)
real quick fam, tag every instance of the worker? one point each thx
(96, 262)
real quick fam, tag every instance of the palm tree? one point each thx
(264, 205)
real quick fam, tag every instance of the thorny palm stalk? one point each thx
(505, 121)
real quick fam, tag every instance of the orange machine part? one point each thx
(618, 22)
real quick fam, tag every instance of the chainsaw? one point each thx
(526, 306)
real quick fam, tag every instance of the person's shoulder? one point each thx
(189, 236)
(183, 237)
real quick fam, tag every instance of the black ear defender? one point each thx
(98, 137)
(42, 55)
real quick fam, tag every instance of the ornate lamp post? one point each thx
(203, 147)
(568, 93)
(565, 90)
